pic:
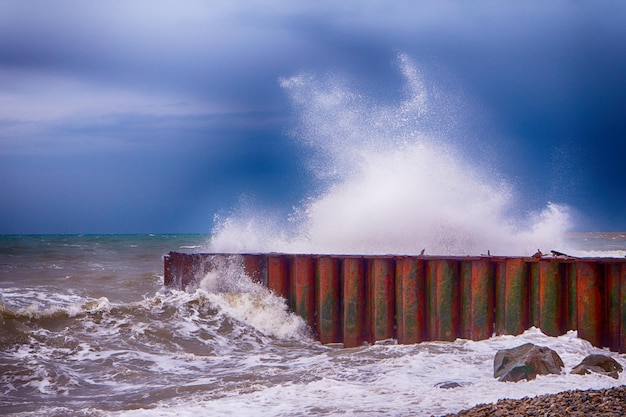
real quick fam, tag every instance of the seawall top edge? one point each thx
(494, 258)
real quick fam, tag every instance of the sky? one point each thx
(154, 117)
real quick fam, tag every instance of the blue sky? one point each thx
(152, 117)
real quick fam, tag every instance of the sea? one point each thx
(87, 329)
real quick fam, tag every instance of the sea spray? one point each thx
(389, 180)
(235, 294)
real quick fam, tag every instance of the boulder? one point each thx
(600, 364)
(526, 362)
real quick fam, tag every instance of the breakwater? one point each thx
(353, 299)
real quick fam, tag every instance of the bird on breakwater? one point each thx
(538, 254)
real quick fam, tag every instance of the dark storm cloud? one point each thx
(210, 49)
(186, 95)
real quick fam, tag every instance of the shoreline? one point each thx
(607, 402)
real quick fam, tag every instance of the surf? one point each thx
(387, 179)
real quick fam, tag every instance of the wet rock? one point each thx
(448, 385)
(600, 364)
(526, 362)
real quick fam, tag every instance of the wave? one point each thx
(390, 180)
(227, 302)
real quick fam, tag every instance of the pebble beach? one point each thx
(578, 403)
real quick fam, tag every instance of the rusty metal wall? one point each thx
(356, 299)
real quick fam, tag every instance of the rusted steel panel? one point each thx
(205, 264)
(430, 297)
(512, 297)
(381, 298)
(477, 299)
(534, 305)
(442, 299)
(181, 269)
(255, 266)
(615, 338)
(278, 275)
(572, 297)
(188, 274)
(466, 300)
(622, 326)
(410, 282)
(303, 287)
(589, 302)
(353, 283)
(500, 298)
(328, 300)
(552, 300)
(168, 271)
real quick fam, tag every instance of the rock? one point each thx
(597, 403)
(600, 364)
(526, 362)
(448, 385)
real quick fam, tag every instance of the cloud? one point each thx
(41, 96)
(195, 85)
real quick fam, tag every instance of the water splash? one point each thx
(235, 294)
(390, 182)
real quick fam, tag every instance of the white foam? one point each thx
(597, 253)
(395, 380)
(38, 302)
(233, 293)
(388, 184)
(225, 353)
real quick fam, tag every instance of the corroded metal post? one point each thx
(353, 283)
(589, 302)
(409, 300)
(477, 301)
(303, 288)
(328, 300)
(278, 276)
(442, 299)
(511, 297)
(254, 266)
(551, 298)
(381, 300)
(616, 306)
